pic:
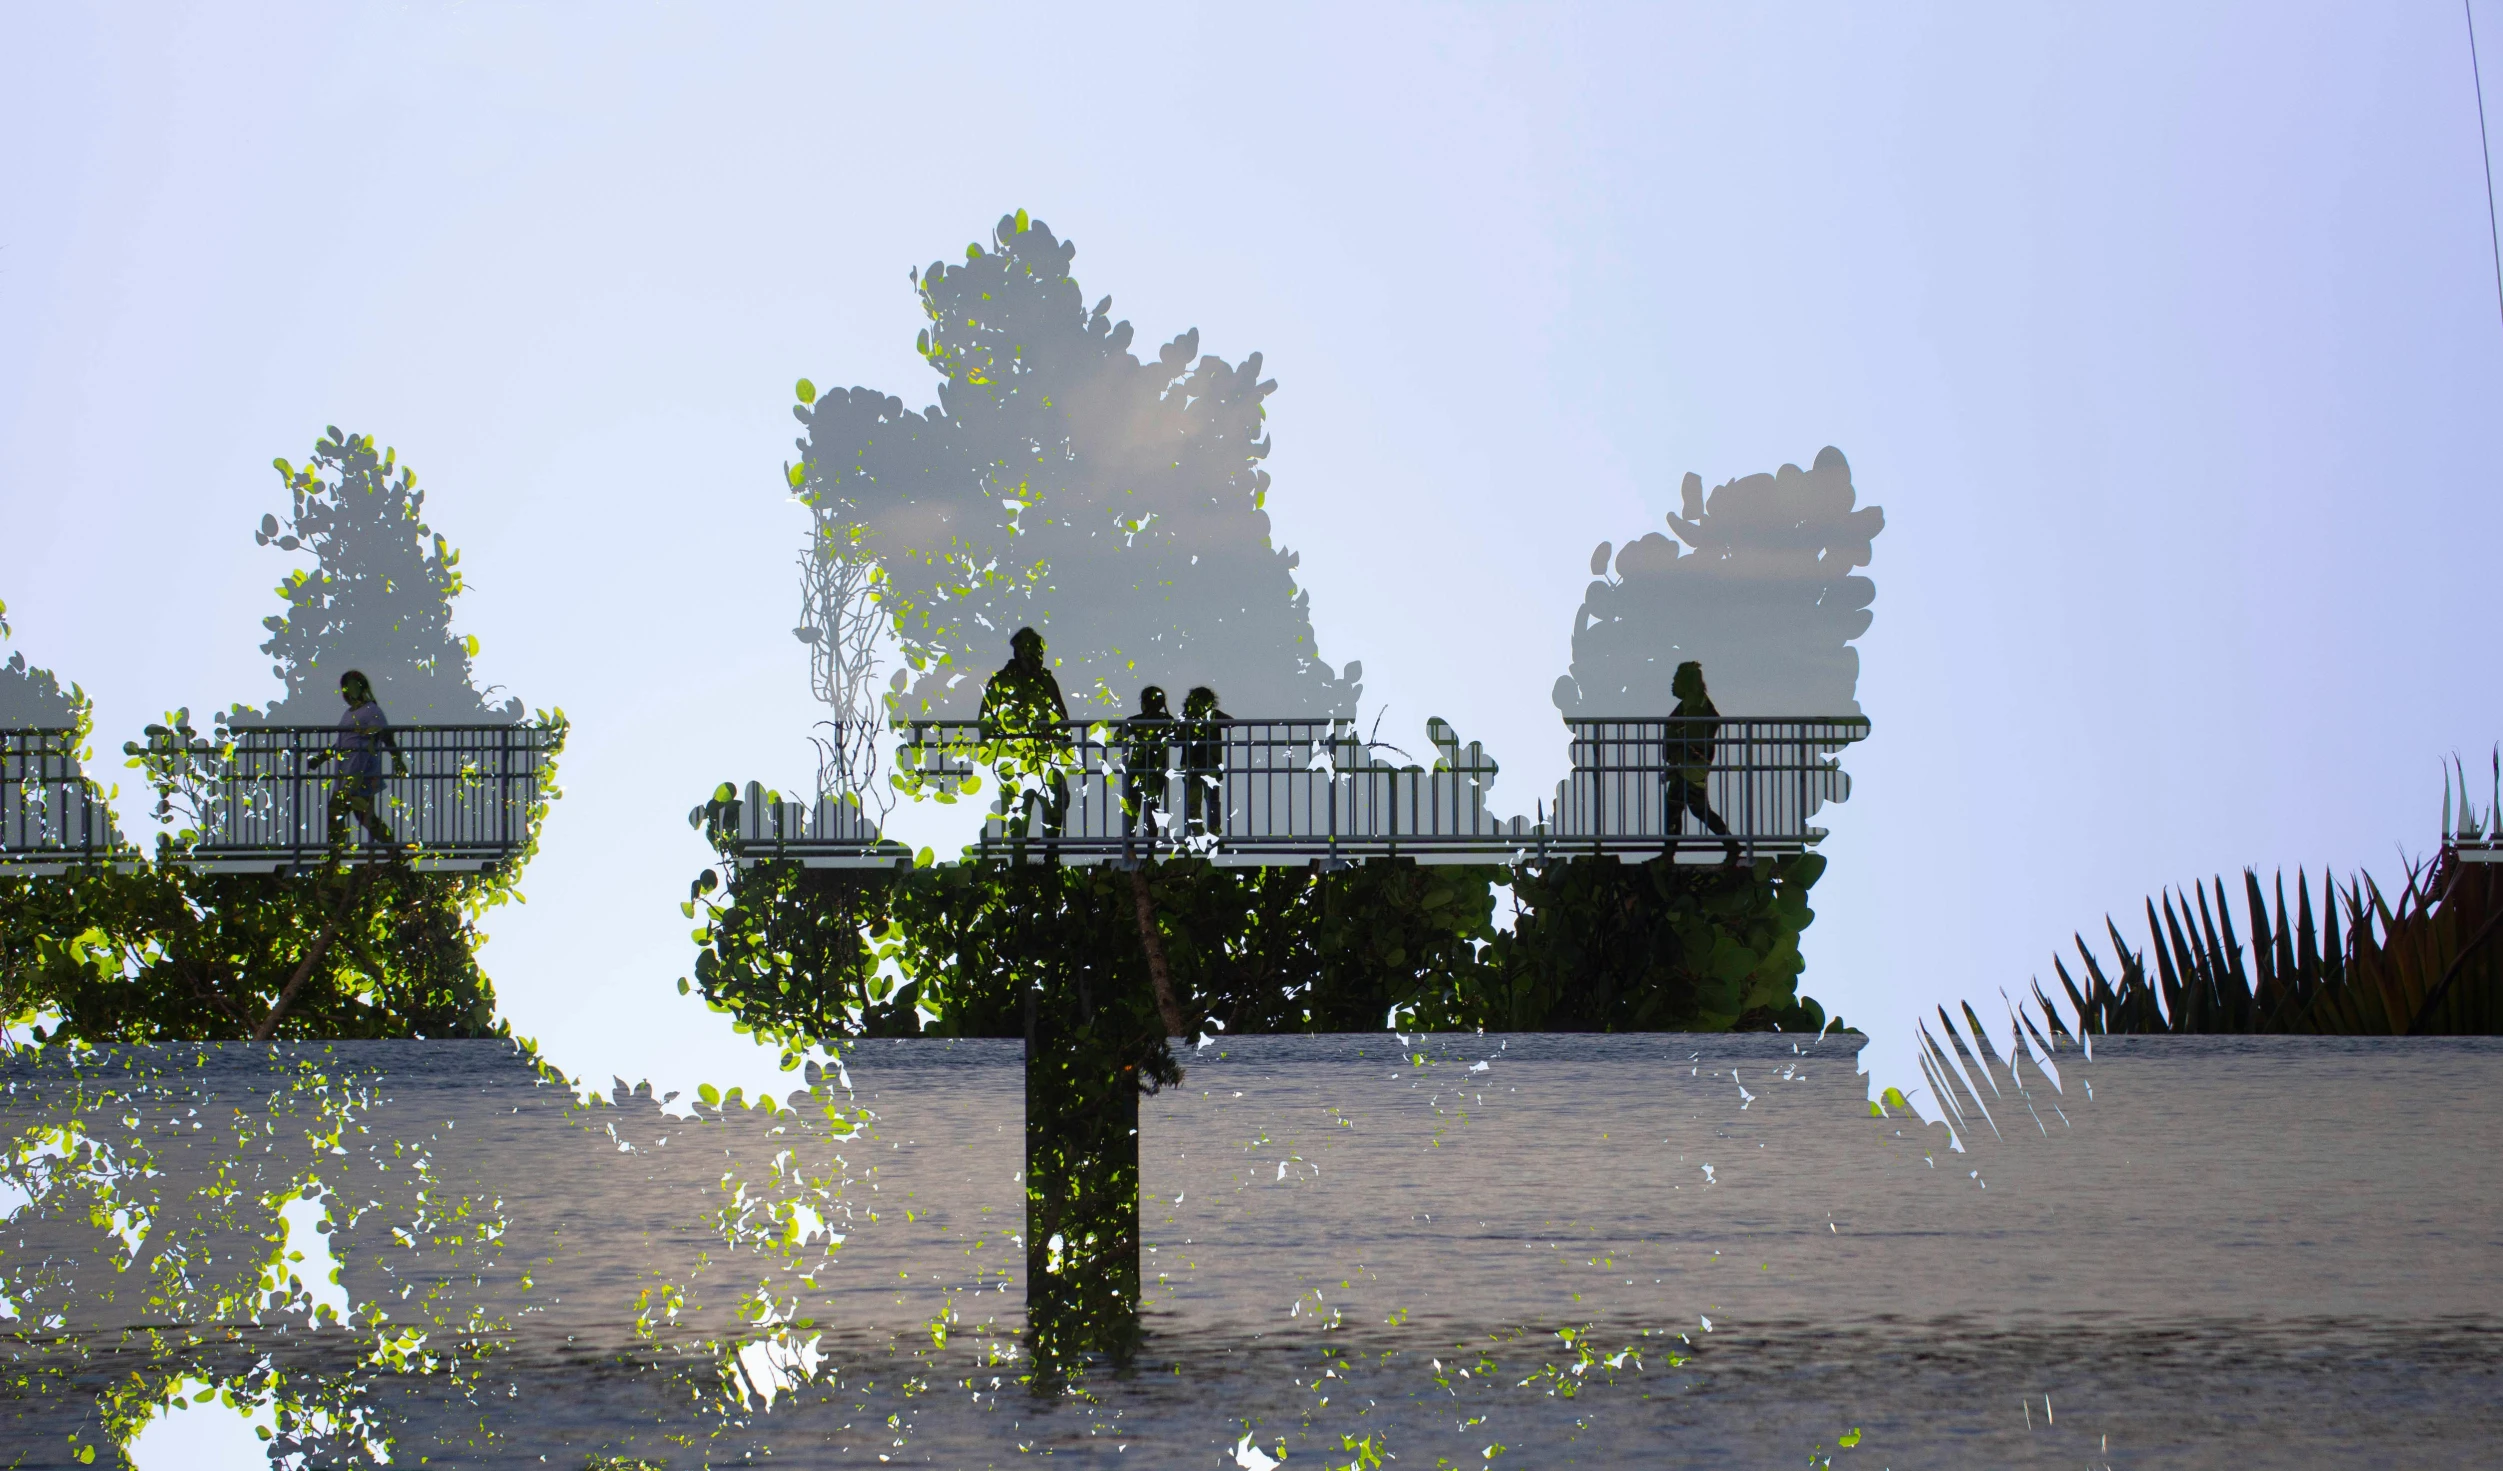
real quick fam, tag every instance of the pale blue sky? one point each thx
(2166, 336)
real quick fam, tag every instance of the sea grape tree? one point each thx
(379, 597)
(1063, 483)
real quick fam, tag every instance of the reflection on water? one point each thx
(1452, 1250)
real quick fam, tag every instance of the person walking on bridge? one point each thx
(364, 734)
(1691, 746)
(1027, 723)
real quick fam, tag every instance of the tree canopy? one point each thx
(1763, 594)
(32, 698)
(379, 597)
(1063, 483)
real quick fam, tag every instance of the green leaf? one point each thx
(1851, 1439)
(1023, 224)
(807, 391)
(710, 1094)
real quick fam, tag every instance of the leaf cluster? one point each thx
(138, 949)
(161, 952)
(1605, 946)
(160, 1178)
(379, 597)
(804, 956)
(2428, 962)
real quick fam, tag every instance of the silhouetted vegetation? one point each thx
(162, 947)
(163, 953)
(2362, 964)
(2426, 963)
(1113, 501)
(799, 955)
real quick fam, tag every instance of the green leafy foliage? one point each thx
(32, 698)
(162, 950)
(790, 952)
(159, 952)
(156, 950)
(809, 956)
(379, 597)
(1659, 946)
(164, 1179)
(137, 948)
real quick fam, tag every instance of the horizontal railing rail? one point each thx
(1764, 777)
(52, 815)
(1295, 790)
(460, 797)
(1243, 789)
(832, 832)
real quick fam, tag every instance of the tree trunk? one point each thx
(1153, 943)
(312, 958)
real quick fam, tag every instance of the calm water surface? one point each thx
(1532, 1250)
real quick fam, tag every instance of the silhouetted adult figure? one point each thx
(364, 734)
(1146, 741)
(1691, 746)
(1203, 762)
(1023, 713)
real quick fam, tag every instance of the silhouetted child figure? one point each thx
(1690, 746)
(1146, 741)
(364, 733)
(1023, 713)
(1203, 762)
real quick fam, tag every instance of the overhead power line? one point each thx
(2485, 146)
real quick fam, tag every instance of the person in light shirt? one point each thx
(364, 734)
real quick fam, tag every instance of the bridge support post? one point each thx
(1082, 1202)
(1095, 1041)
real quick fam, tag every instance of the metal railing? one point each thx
(463, 801)
(1764, 777)
(51, 814)
(830, 833)
(1240, 791)
(1292, 791)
